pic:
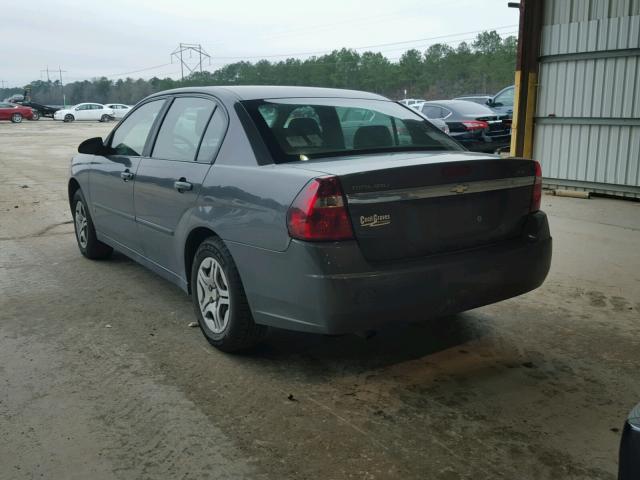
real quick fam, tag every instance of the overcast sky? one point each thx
(119, 38)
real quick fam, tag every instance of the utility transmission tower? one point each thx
(193, 49)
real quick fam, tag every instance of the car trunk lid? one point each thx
(406, 206)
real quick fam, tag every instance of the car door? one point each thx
(96, 111)
(5, 111)
(81, 112)
(169, 181)
(113, 176)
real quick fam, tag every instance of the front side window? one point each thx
(131, 135)
(505, 99)
(304, 128)
(182, 129)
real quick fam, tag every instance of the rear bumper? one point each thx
(332, 289)
(483, 143)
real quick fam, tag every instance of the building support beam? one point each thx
(526, 78)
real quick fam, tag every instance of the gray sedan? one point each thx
(318, 210)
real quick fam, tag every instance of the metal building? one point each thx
(585, 127)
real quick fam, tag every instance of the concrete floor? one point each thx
(101, 378)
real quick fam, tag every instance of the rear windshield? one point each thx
(468, 108)
(297, 129)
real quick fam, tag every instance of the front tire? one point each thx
(219, 299)
(88, 243)
(16, 118)
(69, 118)
(35, 115)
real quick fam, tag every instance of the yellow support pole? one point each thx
(514, 121)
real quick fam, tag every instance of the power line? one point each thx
(391, 59)
(318, 52)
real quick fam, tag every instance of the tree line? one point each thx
(483, 66)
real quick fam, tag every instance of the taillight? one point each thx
(319, 212)
(536, 197)
(475, 124)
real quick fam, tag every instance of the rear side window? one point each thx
(182, 129)
(212, 136)
(431, 111)
(131, 135)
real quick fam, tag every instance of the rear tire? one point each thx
(219, 299)
(105, 118)
(88, 243)
(16, 118)
(69, 118)
(35, 115)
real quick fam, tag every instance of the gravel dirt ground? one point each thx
(101, 378)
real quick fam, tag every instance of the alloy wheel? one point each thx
(81, 225)
(213, 295)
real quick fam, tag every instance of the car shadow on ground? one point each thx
(395, 343)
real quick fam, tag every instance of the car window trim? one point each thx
(212, 160)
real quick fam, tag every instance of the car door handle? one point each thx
(126, 175)
(182, 185)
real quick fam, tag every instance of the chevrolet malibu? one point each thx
(310, 209)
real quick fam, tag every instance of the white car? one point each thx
(410, 102)
(437, 122)
(85, 111)
(119, 109)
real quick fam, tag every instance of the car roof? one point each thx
(256, 92)
(462, 97)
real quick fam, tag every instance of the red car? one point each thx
(14, 112)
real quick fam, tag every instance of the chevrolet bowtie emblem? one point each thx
(460, 188)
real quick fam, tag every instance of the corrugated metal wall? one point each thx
(587, 132)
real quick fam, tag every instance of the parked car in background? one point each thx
(475, 126)
(119, 109)
(261, 203)
(409, 102)
(15, 112)
(436, 122)
(85, 111)
(502, 102)
(481, 99)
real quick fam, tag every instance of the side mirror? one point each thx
(496, 104)
(92, 146)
